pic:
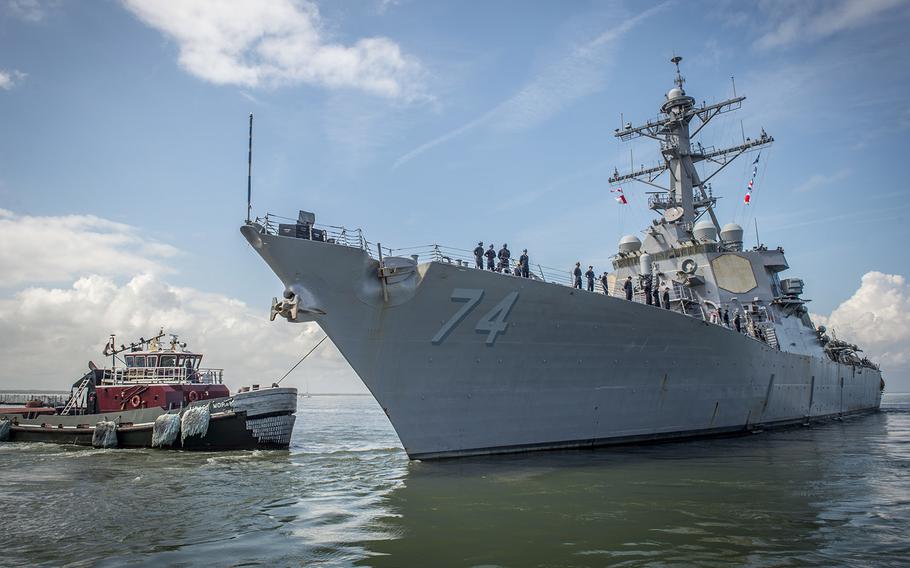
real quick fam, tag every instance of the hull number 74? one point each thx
(492, 323)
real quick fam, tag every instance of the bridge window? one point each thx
(153, 361)
(168, 360)
(140, 361)
(129, 361)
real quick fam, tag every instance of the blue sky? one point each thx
(449, 122)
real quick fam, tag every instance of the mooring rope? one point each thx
(291, 370)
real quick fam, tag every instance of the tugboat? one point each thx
(158, 396)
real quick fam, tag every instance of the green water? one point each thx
(832, 495)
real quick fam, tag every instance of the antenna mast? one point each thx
(249, 173)
(671, 129)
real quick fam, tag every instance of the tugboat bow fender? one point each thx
(195, 422)
(105, 434)
(165, 430)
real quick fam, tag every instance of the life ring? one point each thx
(136, 401)
(193, 396)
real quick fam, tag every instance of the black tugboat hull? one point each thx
(225, 433)
(256, 420)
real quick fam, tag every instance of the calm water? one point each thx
(346, 494)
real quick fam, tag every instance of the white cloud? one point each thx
(28, 10)
(48, 333)
(60, 248)
(385, 5)
(410, 155)
(567, 78)
(796, 22)
(277, 42)
(817, 181)
(9, 79)
(876, 318)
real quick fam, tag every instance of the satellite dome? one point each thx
(675, 92)
(732, 229)
(705, 230)
(629, 243)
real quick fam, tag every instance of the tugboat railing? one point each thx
(162, 375)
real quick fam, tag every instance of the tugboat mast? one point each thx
(686, 196)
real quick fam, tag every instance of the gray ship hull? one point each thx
(468, 362)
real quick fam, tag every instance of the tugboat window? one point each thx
(129, 361)
(153, 360)
(168, 360)
(140, 361)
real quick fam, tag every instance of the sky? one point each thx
(123, 169)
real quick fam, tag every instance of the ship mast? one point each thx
(686, 196)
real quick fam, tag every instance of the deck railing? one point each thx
(162, 375)
(331, 233)
(681, 297)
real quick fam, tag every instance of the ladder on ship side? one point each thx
(770, 335)
(71, 403)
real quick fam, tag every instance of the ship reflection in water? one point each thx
(346, 494)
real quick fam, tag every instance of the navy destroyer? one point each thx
(466, 361)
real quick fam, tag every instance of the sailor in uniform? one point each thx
(590, 276)
(666, 297)
(525, 261)
(604, 282)
(504, 256)
(646, 282)
(628, 288)
(478, 255)
(577, 274)
(491, 257)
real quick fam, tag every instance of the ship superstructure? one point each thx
(686, 248)
(467, 361)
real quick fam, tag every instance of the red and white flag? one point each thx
(620, 198)
(748, 198)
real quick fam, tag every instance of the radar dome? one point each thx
(629, 243)
(732, 235)
(675, 92)
(705, 231)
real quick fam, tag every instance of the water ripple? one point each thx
(345, 494)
